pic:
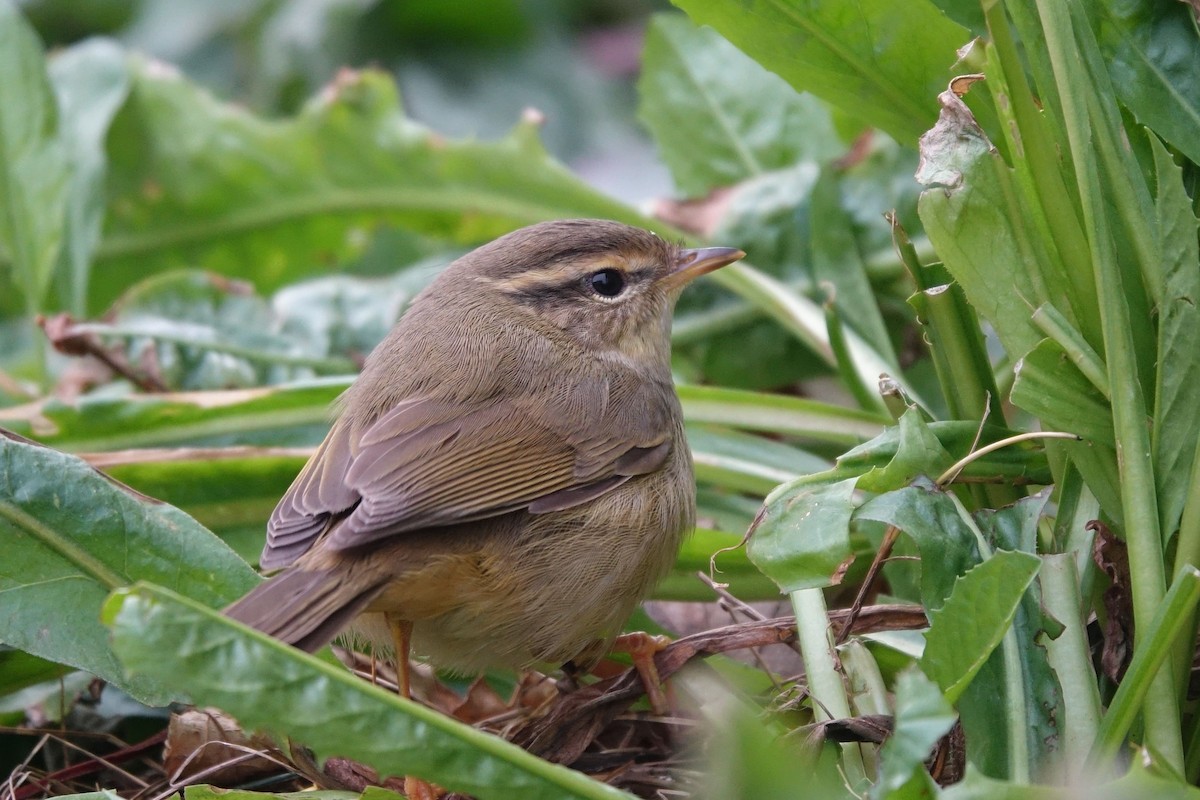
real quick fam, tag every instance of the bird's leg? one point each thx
(642, 648)
(401, 630)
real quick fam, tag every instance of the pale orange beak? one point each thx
(697, 261)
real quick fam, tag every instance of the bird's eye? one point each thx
(607, 282)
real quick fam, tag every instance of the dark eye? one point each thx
(607, 282)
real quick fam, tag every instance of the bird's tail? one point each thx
(305, 609)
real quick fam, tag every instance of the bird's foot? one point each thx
(642, 647)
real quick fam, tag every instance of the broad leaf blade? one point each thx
(717, 116)
(965, 631)
(198, 183)
(72, 536)
(270, 686)
(882, 67)
(1153, 56)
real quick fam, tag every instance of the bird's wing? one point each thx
(317, 497)
(429, 463)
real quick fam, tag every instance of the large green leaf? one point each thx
(879, 66)
(267, 685)
(1152, 52)
(33, 162)
(72, 535)
(948, 547)
(1176, 412)
(974, 223)
(969, 626)
(197, 183)
(717, 116)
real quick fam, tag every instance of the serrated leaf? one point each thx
(965, 631)
(270, 686)
(717, 116)
(72, 535)
(928, 516)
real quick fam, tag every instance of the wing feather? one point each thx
(429, 462)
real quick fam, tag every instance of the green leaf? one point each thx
(270, 686)
(972, 219)
(746, 463)
(72, 536)
(1141, 781)
(918, 452)
(296, 414)
(1176, 412)
(1021, 463)
(197, 183)
(837, 262)
(803, 536)
(717, 116)
(923, 716)
(19, 670)
(779, 414)
(965, 631)
(1153, 56)
(33, 163)
(879, 66)
(928, 516)
(230, 491)
(91, 81)
(1049, 386)
(1018, 685)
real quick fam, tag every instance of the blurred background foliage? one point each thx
(213, 210)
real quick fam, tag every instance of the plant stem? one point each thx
(824, 683)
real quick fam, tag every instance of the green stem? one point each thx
(1138, 498)
(851, 378)
(1070, 658)
(824, 683)
(1050, 321)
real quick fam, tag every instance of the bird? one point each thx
(508, 477)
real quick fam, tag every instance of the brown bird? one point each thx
(508, 478)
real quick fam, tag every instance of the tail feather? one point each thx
(305, 609)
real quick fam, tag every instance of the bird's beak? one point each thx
(693, 263)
